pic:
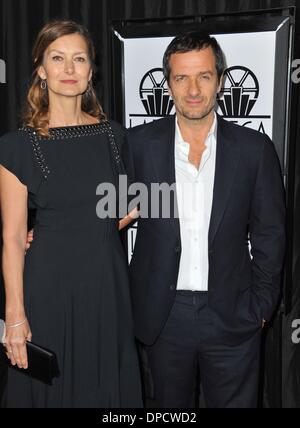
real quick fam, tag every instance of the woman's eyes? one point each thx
(58, 58)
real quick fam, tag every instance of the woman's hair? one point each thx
(37, 105)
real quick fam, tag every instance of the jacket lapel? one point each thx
(163, 160)
(227, 157)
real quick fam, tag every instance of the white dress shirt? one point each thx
(195, 195)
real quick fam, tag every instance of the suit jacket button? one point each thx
(173, 287)
(177, 249)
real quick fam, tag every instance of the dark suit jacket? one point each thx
(248, 197)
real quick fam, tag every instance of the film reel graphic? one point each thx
(154, 93)
(239, 93)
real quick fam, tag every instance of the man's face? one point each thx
(194, 83)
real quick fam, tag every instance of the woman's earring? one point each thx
(44, 85)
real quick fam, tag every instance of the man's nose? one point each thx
(194, 88)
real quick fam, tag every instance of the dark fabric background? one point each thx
(20, 21)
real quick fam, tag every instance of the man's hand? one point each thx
(29, 239)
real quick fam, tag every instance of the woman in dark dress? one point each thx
(70, 292)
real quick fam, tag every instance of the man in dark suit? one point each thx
(200, 296)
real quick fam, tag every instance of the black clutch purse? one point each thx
(42, 363)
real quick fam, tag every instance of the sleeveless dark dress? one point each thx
(75, 278)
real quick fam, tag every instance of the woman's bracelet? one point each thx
(17, 324)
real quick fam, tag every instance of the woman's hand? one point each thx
(133, 215)
(29, 239)
(15, 343)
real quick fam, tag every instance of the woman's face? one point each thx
(66, 66)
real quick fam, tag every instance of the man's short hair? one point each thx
(193, 41)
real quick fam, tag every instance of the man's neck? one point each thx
(195, 132)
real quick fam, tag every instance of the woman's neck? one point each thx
(67, 112)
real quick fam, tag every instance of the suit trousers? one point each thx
(190, 349)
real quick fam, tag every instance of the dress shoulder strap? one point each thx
(115, 153)
(37, 151)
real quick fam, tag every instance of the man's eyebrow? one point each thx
(200, 73)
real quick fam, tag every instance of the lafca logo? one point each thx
(154, 94)
(238, 96)
(154, 97)
(2, 71)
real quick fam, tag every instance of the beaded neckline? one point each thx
(74, 132)
(68, 132)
